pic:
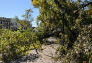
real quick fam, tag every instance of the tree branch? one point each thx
(84, 5)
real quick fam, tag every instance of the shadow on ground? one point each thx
(29, 58)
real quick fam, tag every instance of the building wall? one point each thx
(5, 23)
(10, 23)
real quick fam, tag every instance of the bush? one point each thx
(14, 44)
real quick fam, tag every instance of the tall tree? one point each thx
(68, 16)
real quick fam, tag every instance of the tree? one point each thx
(27, 18)
(27, 14)
(24, 24)
(67, 15)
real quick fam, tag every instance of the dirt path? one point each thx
(44, 56)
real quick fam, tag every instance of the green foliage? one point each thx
(14, 44)
(24, 24)
(67, 20)
(71, 18)
(82, 48)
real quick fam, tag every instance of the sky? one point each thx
(12, 8)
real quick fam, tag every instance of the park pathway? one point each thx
(44, 56)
